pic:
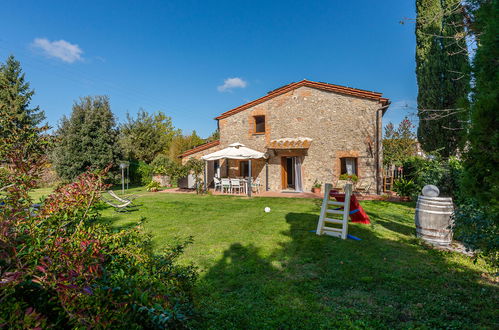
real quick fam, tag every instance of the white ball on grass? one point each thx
(267, 209)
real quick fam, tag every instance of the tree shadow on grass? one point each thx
(324, 282)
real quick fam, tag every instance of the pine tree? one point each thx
(87, 139)
(15, 98)
(23, 142)
(442, 73)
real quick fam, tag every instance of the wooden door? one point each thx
(284, 173)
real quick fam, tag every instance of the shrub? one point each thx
(140, 172)
(153, 186)
(161, 164)
(69, 271)
(405, 187)
(49, 177)
(424, 171)
(476, 226)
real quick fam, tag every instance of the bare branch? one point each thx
(6, 187)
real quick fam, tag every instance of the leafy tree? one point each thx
(144, 137)
(442, 69)
(214, 136)
(61, 268)
(399, 144)
(87, 139)
(181, 143)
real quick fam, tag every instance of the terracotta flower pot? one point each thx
(316, 191)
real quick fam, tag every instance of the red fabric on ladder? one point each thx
(357, 213)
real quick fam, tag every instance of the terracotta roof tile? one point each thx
(307, 83)
(200, 148)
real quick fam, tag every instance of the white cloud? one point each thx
(231, 83)
(60, 49)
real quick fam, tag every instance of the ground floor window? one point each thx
(349, 165)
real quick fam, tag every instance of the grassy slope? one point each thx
(266, 270)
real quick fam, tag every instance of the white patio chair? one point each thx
(217, 183)
(236, 184)
(255, 185)
(124, 207)
(122, 199)
(225, 185)
(363, 186)
(340, 184)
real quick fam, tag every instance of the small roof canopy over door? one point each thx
(290, 143)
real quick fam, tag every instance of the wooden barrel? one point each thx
(433, 219)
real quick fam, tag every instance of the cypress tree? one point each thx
(441, 62)
(87, 139)
(456, 75)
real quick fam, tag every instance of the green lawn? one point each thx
(267, 270)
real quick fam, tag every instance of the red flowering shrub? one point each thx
(59, 268)
(75, 200)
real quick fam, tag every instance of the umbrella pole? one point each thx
(205, 175)
(267, 175)
(249, 179)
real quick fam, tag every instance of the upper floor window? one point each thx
(259, 124)
(349, 165)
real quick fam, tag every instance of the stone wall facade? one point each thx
(163, 180)
(339, 126)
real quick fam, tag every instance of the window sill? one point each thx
(262, 133)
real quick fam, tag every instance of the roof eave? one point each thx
(199, 148)
(375, 96)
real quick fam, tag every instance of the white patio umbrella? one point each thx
(235, 151)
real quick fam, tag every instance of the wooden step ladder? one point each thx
(330, 208)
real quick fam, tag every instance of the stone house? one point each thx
(310, 131)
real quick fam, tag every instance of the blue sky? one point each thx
(179, 56)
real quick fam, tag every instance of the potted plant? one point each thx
(404, 188)
(316, 187)
(352, 178)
